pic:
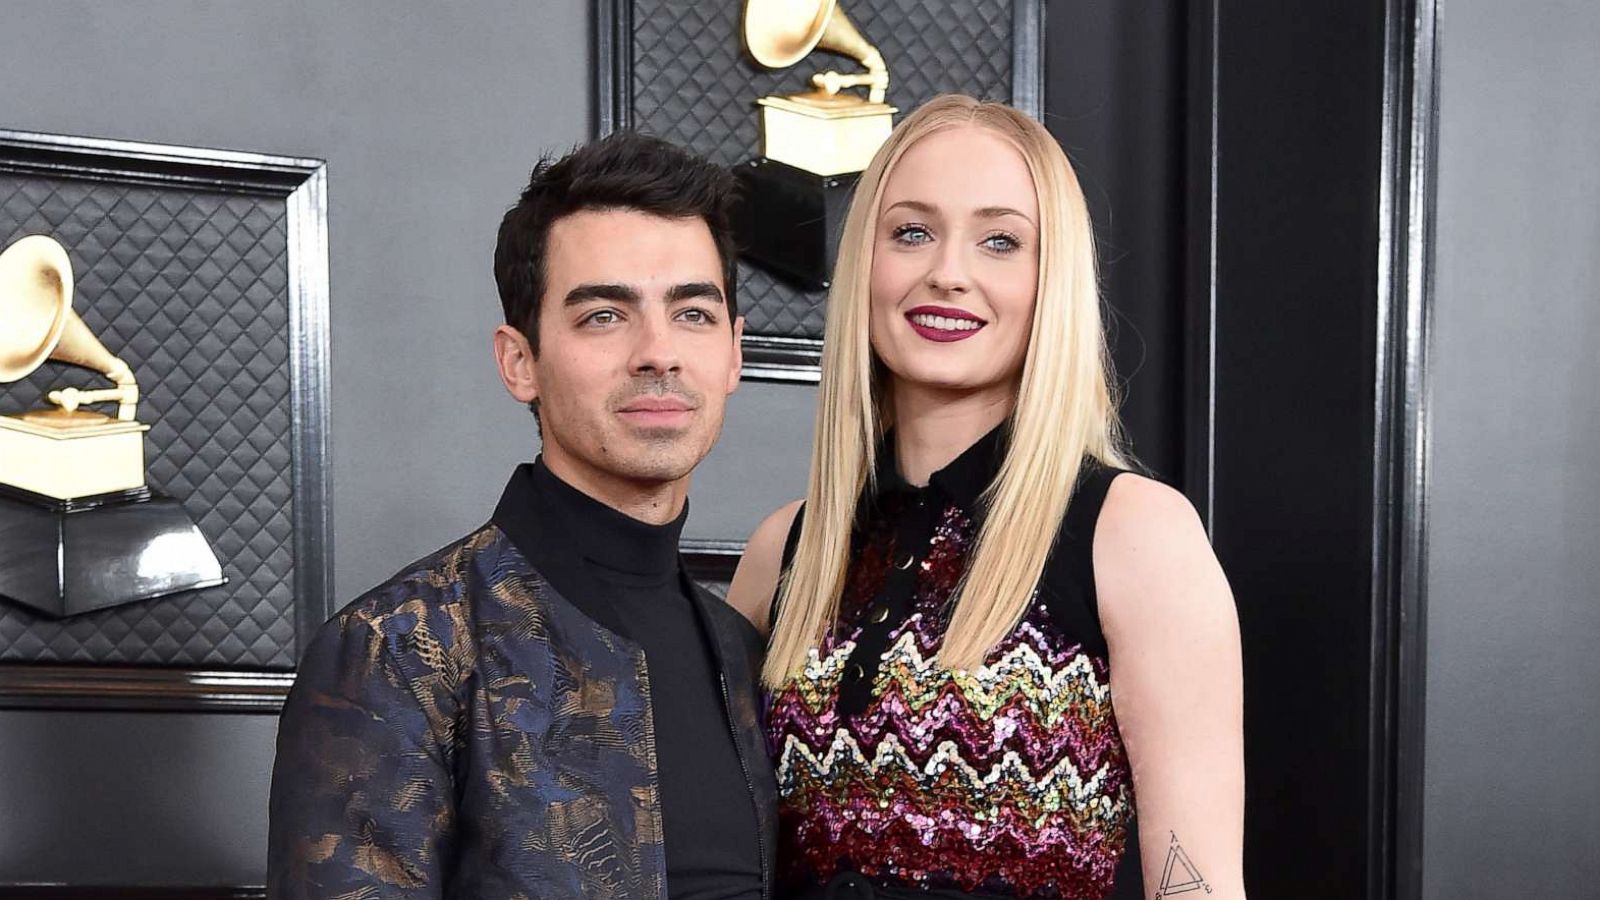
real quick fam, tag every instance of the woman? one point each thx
(974, 575)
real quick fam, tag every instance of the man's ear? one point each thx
(738, 354)
(514, 358)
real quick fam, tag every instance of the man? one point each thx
(549, 707)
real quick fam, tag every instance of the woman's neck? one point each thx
(933, 427)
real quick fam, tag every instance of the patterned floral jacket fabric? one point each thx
(465, 731)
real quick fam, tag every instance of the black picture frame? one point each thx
(301, 186)
(774, 357)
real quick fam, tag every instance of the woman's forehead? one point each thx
(962, 170)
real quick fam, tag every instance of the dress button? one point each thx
(907, 562)
(881, 614)
(857, 673)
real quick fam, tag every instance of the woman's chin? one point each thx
(945, 380)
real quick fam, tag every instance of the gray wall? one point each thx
(1513, 699)
(430, 118)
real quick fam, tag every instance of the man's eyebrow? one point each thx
(694, 290)
(616, 293)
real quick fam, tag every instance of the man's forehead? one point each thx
(587, 223)
(632, 246)
(631, 241)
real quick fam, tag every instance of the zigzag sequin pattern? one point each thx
(1010, 780)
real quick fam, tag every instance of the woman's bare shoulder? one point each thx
(1153, 559)
(756, 579)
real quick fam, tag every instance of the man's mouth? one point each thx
(944, 324)
(657, 411)
(657, 404)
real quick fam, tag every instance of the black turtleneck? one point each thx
(627, 575)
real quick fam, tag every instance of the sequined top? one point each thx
(1007, 781)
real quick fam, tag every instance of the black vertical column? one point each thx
(1250, 168)
(1291, 97)
(1114, 98)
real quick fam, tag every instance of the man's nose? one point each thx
(655, 348)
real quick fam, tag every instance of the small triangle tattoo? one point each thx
(1179, 876)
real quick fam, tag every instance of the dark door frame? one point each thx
(1399, 424)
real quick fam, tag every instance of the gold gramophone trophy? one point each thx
(813, 144)
(81, 529)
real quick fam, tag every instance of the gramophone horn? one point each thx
(35, 304)
(37, 322)
(779, 33)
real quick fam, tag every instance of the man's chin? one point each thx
(659, 455)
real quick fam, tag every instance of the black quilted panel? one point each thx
(693, 84)
(190, 288)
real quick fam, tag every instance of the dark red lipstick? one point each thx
(943, 324)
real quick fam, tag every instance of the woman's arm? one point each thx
(1176, 685)
(756, 579)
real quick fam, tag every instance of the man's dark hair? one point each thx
(625, 170)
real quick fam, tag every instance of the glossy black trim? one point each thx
(128, 892)
(613, 66)
(709, 560)
(302, 184)
(1401, 447)
(1027, 56)
(142, 689)
(782, 359)
(1200, 264)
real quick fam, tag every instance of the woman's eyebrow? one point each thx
(926, 209)
(995, 212)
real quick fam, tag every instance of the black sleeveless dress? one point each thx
(898, 778)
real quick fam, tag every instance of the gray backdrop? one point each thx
(430, 118)
(1513, 703)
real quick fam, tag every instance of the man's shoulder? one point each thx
(439, 586)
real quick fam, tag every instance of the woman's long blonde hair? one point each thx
(1064, 410)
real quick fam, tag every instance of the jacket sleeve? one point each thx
(362, 799)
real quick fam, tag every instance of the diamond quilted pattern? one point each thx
(693, 85)
(191, 289)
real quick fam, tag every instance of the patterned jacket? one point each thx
(465, 731)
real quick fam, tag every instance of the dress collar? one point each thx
(962, 481)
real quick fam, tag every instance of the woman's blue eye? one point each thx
(912, 234)
(1002, 243)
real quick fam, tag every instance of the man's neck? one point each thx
(654, 502)
(932, 428)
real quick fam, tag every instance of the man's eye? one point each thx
(697, 316)
(601, 317)
(912, 234)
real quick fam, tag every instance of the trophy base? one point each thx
(66, 557)
(788, 220)
(824, 134)
(71, 455)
